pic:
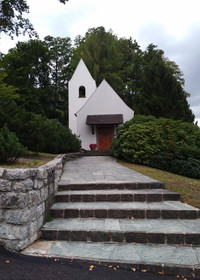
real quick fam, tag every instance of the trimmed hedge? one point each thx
(161, 143)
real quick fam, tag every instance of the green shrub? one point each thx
(160, 143)
(10, 147)
(137, 144)
(35, 131)
(159, 161)
(189, 168)
(41, 134)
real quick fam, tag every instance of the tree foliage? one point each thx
(161, 143)
(27, 69)
(40, 71)
(161, 93)
(10, 147)
(146, 80)
(12, 20)
(60, 53)
(35, 131)
(99, 49)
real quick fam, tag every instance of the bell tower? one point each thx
(81, 87)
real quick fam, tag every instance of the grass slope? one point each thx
(188, 188)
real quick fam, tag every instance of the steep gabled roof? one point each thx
(104, 100)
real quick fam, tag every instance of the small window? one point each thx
(82, 91)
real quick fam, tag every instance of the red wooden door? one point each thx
(105, 137)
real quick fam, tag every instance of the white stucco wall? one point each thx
(81, 77)
(104, 101)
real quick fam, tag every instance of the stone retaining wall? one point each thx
(25, 197)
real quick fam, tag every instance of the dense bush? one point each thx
(37, 132)
(161, 143)
(10, 147)
(41, 134)
(189, 168)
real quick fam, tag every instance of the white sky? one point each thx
(173, 25)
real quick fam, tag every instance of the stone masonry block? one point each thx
(88, 198)
(38, 211)
(117, 236)
(14, 232)
(193, 238)
(173, 238)
(33, 228)
(101, 213)
(50, 234)
(64, 235)
(2, 170)
(13, 200)
(18, 217)
(75, 198)
(46, 192)
(127, 197)
(17, 174)
(5, 185)
(1, 215)
(138, 237)
(87, 213)
(38, 184)
(23, 186)
(186, 214)
(16, 245)
(100, 236)
(42, 195)
(34, 198)
(2, 231)
(156, 238)
(78, 236)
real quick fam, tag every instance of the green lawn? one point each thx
(188, 188)
(31, 160)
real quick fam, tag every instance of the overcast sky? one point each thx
(172, 25)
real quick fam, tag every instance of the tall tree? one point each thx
(161, 93)
(40, 70)
(60, 53)
(131, 69)
(99, 49)
(27, 69)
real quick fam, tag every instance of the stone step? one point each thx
(183, 261)
(124, 230)
(62, 186)
(148, 195)
(119, 210)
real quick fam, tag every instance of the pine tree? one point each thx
(10, 147)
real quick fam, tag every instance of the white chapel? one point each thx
(94, 112)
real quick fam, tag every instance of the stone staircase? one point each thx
(140, 225)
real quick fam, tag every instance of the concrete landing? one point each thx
(104, 169)
(158, 258)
